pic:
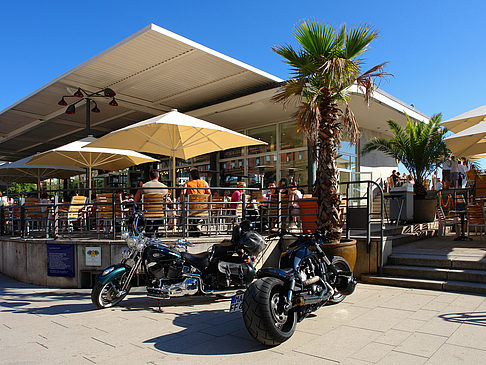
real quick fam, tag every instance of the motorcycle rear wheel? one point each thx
(341, 265)
(263, 313)
(105, 295)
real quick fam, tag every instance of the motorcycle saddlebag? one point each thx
(231, 273)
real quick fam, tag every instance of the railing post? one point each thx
(368, 212)
(113, 214)
(22, 220)
(243, 210)
(56, 216)
(2, 220)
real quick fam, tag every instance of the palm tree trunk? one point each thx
(327, 178)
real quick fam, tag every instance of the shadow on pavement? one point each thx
(207, 332)
(472, 318)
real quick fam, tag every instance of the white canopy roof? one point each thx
(152, 72)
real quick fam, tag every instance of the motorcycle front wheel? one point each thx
(108, 295)
(342, 266)
(263, 312)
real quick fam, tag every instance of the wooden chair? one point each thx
(33, 215)
(104, 212)
(219, 213)
(75, 213)
(308, 214)
(278, 211)
(475, 218)
(155, 212)
(445, 221)
(197, 209)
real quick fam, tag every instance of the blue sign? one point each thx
(60, 260)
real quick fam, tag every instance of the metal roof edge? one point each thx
(210, 51)
(395, 103)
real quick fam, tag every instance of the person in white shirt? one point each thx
(462, 174)
(454, 172)
(295, 194)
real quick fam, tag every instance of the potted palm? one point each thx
(421, 148)
(322, 70)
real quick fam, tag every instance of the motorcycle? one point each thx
(170, 271)
(305, 280)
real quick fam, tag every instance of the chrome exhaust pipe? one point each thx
(325, 296)
(209, 292)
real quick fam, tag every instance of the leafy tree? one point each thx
(419, 146)
(15, 187)
(322, 72)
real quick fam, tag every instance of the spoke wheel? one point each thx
(109, 294)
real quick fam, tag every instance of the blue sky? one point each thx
(435, 49)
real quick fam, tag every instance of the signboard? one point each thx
(60, 260)
(93, 256)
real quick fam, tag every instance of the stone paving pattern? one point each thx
(376, 325)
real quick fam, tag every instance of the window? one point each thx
(289, 137)
(266, 134)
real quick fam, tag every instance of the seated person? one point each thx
(236, 196)
(153, 186)
(195, 185)
(295, 194)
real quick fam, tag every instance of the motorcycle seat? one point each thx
(199, 260)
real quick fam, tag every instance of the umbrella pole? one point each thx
(89, 184)
(173, 171)
(38, 187)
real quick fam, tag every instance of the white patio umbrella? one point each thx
(469, 143)
(78, 155)
(466, 120)
(20, 172)
(176, 135)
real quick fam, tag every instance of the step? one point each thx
(404, 238)
(435, 273)
(439, 261)
(444, 285)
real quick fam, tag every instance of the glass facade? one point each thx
(285, 155)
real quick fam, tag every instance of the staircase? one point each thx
(433, 271)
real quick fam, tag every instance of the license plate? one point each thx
(236, 303)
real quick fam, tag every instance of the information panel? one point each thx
(60, 260)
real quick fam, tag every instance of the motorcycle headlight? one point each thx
(126, 254)
(124, 235)
(140, 246)
(132, 242)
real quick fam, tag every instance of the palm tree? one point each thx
(322, 72)
(419, 146)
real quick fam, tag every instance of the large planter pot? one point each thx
(424, 210)
(346, 249)
(308, 214)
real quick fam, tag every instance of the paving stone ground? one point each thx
(376, 325)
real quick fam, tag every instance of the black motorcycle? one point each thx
(170, 271)
(305, 280)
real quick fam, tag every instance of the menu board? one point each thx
(60, 260)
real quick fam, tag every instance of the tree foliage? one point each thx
(323, 70)
(419, 146)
